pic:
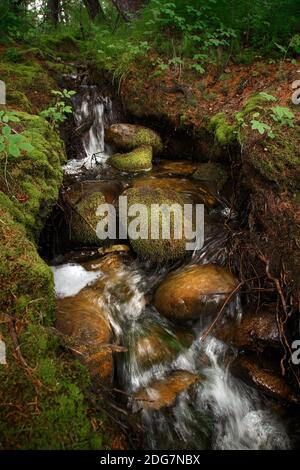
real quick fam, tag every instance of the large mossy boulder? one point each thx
(84, 220)
(158, 249)
(139, 159)
(126, 137)
(193, 291)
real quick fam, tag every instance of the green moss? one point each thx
(157, 250)
(18, 99)
(84, 220)
(33, 180)
(27, 83)
(139, 159)
(49, 396)
(146, 136)
(126, 137)
(278, 160)
(222, 129)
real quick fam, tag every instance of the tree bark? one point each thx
(53, 7)
(128, 9)
(94, 8)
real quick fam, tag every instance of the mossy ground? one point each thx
(30, 183)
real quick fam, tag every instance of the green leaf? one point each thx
(26, 146)
(6, 130)
(14, 151)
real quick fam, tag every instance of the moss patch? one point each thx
(139, 159)
(28, 85)
(31, 184)
(84, 220)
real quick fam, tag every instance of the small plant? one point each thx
(261, 127)
(283, 116)
(57, 113)
(11, 143)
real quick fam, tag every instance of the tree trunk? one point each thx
(94, 8)
(128, 8)
(53, 11)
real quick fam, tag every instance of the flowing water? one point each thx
(218, 411)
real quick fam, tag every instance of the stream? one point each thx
(178, 379)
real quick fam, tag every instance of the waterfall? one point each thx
(91, 113)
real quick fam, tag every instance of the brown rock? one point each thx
(265, 374)
(163, 393)
(82, 319)
(175, 168)
(159, 345)
(193, 291)
(78, 191)
(194, 190)
(255, 331)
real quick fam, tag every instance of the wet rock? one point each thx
(82, 319)
(138, 160)
(255, 331)
(175, 168)
(163, 393)
(81, 190)
(107, 263)
(211, 173)
(126, 137)
(186, 187)
(193, 291)
(84, 220)
(265, 374)
(160, 249)
(156, 344)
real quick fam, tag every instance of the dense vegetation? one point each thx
(181, 33)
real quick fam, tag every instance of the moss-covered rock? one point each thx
(139, 159)
(126, 137)
(31, 184)
(84, 220)
(160, 249)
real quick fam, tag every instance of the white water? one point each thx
(71, 278)
(85, 105)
